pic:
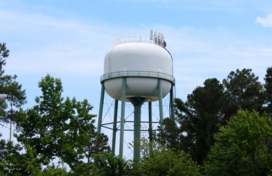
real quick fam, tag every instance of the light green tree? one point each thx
(170, 163)
(242, 147)
(56, 127)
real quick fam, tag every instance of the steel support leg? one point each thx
(150, 127)
(172, 104)
(137, 103)
(150, 120)
(122, 118)
(114, 127)
(101, 108)
(160, 103)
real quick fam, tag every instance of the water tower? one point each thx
(137, 70)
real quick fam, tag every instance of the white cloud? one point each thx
(266, 22)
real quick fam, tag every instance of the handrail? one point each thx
(147, 74)
(172, 61)
(137, 39)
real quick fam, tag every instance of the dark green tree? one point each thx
(3, 153)
(172, 135)
(198, 119)
(244, 91)
(107, 164)
(84, 169)
(56, 127)
(242, 147)
(210, 106)
(9, 85)
(96, 144)
(268, 89)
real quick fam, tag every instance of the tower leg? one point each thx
(150, 120)
(160, 103)
(137, 102)
(172, 104)
(114, 127)
(122, 118)
(150, 127)
(101, 108)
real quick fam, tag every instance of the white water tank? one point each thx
(142, 64)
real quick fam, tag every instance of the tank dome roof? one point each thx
(138, 57)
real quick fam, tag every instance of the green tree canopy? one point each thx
(9, 86)
(210, 106)
(242, 147)
(56, 127)
(268, 89)
(170, 163)
(243, 91)
(198, 118)
(96, 144)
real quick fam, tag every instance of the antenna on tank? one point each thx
(155, 36)
(151, 34)
(162, 40)
(159, 38)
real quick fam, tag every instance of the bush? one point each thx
(170, 163)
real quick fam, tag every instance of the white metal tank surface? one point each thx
(142, 64)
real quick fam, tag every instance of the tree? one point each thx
(27, 163)
(108, 164)
(84, 169)
(171, 135)
(210, 106)
(170, 163)
(18, 163)
(198, 118)
(96, 144)
(9, 86)
(242, 147)
(3, 153)
(268, 89)
(243, 91)
(54, 127)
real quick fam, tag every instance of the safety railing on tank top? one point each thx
(138, 39)
(147, 74)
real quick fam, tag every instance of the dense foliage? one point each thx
(170, 163)
(268, 90)
(242, 147)
(16, 96)
(210, 106)
(53, 128)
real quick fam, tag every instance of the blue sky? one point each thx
(69, 39)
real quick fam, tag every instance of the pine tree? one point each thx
(268, 89)
(244, 91)
(9, 85)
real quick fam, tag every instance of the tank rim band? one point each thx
(137, 74)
